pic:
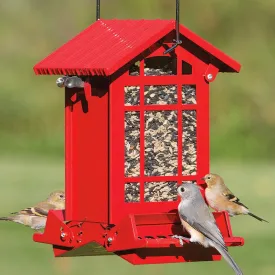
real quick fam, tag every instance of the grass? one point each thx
(26, 180)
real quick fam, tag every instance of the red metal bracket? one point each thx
(211, 73)
(56, 231)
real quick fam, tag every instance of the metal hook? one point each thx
(97, 9)
(177, 40)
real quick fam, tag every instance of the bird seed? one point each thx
(160, 95)
(189, 141)
(132, 144)
(160, 138)
(132, 192)
(161, 143)
(188, 94)
(131, 95)
(160, 191)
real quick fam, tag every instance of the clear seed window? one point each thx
(161, 143)
(132, 144)
(160, 191)
(160, 95)
(160, 155)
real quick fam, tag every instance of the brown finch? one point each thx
(220, 198)
(36, 216)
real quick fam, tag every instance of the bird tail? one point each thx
(228, 258)
(5, 219)
(256, 217)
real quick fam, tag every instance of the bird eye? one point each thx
(61, 196)
(208, 177)
(182, 189)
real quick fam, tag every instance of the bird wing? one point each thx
(231, 197)
(41, 210)
(202, 220)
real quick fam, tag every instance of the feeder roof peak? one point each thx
(107, 45)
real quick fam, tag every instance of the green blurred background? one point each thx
(31, 123)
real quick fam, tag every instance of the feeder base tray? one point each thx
(138, 238)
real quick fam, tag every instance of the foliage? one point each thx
(242, 106)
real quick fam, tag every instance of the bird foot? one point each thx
(181, 239)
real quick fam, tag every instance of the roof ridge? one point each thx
(108, 44)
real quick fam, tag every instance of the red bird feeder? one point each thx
(136, 127)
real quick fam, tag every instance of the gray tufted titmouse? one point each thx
(200, 223)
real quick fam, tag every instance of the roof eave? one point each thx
(229, 64)
(224, 62)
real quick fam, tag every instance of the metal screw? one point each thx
(60, 82)
(110, 240)
(209, 76)
(63, 235)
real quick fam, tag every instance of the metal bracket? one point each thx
(56, 231)
(211, 73)
(70, 82)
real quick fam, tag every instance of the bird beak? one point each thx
(203, 178)
(198, 186)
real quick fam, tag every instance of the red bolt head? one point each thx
(63, 235)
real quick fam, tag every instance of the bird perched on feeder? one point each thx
(200, 223)
(220, 198)
(36, 216)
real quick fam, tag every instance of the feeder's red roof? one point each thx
(107, 45)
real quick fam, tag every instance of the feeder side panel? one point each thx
(119, 208)
(192, 139)
(116, 145)
(203, 118)
(202, 110)
(202, 127)
(86, 156)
